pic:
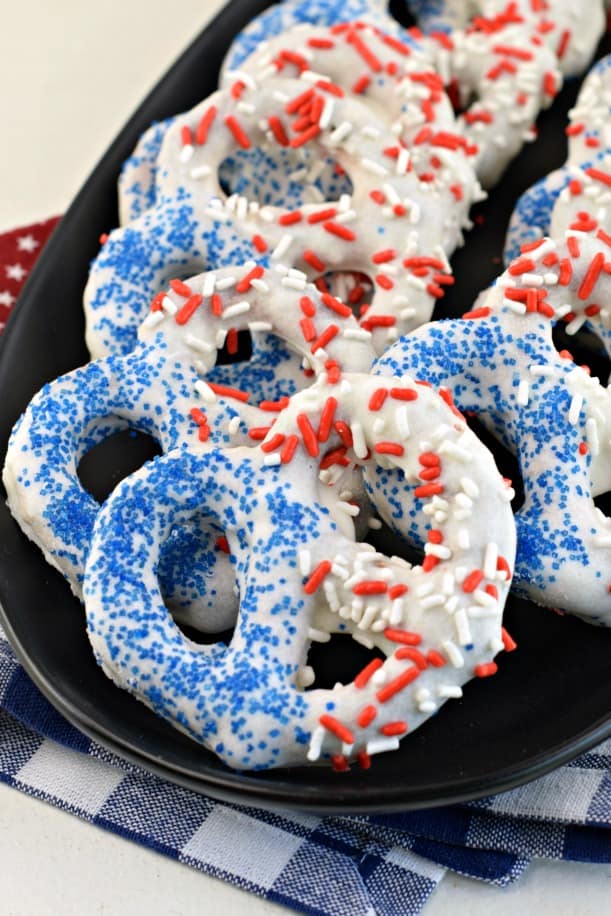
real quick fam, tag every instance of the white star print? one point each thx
(27, 243)
(15, 272)
(6, 298)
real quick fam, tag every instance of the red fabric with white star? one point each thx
(19, 250)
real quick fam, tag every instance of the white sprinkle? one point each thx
(402, 421)
(379, 745)
(260, 326)
(357, 334)
(403, 161)
(239, 308)
(305, 676)
(470, 487)
(438, 550)
(208, 285)
(491, 555)
(205, 392)
(282, 247)
(363, 639)
(376, 168)
(233, 425)
(198, 344)
(592, 436)
(226, 283)
(168, 306)
(260, 285)
(464, 540)
(479, 612)
(575, 409)
(518, 307)
(432, 601)
(463, 630)
(451, 604)
(316, 744)
(200, 171)
(425, 589)
(272, 460)
(219, 339)
(327, 113)
(153, 319)
(448, 584)
(294, 283)
(396, 612)
(358, 439)
(453, 653)
(523, 393)
(331, 595)
(340, 133)
(186, 152)
(449, 692)
(368, 618)
(315, 635)
(542, 370)
(576, 324)
(450, 448)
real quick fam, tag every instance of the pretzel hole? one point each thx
(107, 463)
(350, 287)
(585, 348)
(603, 503)
(338, 661)
(271, 175)
(399, 10)
(236, 349)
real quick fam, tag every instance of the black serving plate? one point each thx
(551, 699)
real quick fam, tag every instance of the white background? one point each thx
(71, 73)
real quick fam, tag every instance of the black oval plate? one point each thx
(551, 699)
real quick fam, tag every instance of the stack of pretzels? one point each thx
(313, 203)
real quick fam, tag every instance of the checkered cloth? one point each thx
(356, 866)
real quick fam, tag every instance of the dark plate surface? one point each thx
(551, 699)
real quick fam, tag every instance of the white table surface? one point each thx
(71, 73)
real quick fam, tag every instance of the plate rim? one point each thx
(236, 786)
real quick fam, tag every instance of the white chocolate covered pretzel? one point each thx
(438, 625)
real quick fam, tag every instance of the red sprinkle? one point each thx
(201, 132)
(326, 419)
(339, 230)
(377, 399)
(277, 128)
(389, 448)
(364, 676)
(394, 728)
(259, 243)
(413, 654)
(313, 260)
(403, 636)
(188, 309)
(337, 728)
(486, 670)
(316, 579)
(222, 544)
(240, 136)
(308, 435)
(290, 446)
(388, 691)
(366, 716)
(435, 658)
(226, 392)
(472, 581)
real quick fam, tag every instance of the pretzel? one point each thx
(385, 226)
(438, 625)
(167, 387)
(560, 25)
(589, 149)
(512, 77)
(500, 362)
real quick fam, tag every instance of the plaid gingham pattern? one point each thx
(357, 866)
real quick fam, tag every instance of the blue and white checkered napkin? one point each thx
(356, 866)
